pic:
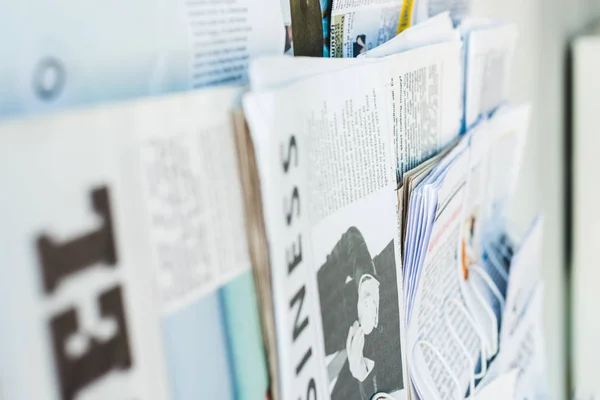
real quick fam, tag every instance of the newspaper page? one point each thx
(328, 189)
(361, 25)
(193, 196)
(175, 46)
(422, 86)
(442, 341)
(488, 59)
(192, 200)
(129, 271)
(411, 180)
(425, 90)
(84, 323)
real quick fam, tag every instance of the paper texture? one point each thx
(417, 92)
(423, 95)
(443, 342)
(121, 282)
(457, 258)
(425, 89)
(195, 221)
(84, 322)
(410, 180)
(326, 161)
(194, 198)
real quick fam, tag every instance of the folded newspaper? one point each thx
(327, 182)
(132, 277)
(421, 93)
(466, 295)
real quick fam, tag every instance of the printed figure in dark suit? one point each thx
(360, 314)
(360, 45)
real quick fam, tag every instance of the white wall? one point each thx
(538, 76)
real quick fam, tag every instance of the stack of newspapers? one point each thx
(283, 227)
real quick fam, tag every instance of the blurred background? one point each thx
(540, 75)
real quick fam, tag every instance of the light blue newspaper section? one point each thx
(196, 349)
(244, 336)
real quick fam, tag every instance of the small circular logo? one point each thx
(49, 79)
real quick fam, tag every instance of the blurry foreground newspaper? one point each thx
(124, 276)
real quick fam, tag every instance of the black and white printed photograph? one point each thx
(358, 296)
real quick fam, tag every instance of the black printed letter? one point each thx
(293, 263)
(299, 297)
(101, 357)
(61, 260)
(312, 388)
(295, 200)
(291, 146)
